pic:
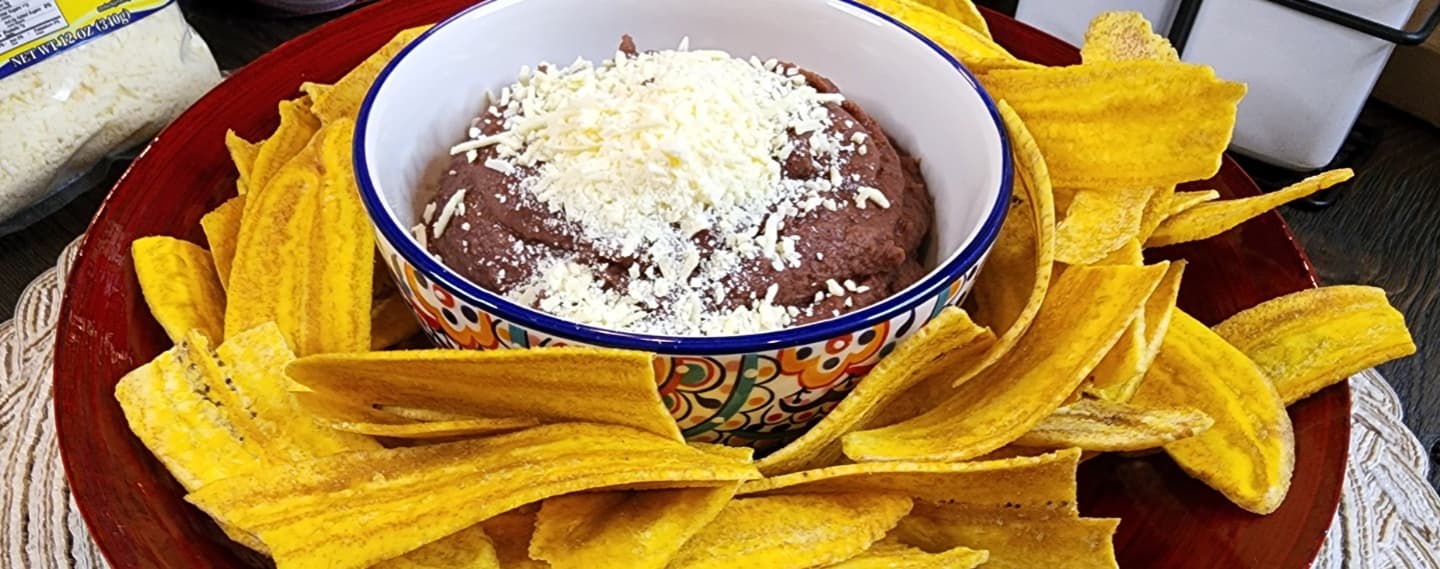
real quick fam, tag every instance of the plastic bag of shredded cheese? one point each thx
(81, 79)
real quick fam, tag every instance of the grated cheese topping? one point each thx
(644, 153)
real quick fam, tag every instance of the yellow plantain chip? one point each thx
(1113, 427)
(343, 99)
(551, 384)
(1082, 317)
(391, 322)
(304, 257)
(792, 532)
(469, 548)
(1131, 253)
(316, 91)
(222, 230)
(1013, 541)
(1045, 483)
(955, 36)
(1182, 201)
(512, 533)
(242, 153)
(893, 555)
(950, 341)
(1207, 220)
(354, 509)
(1249, 453)
(1124, 36)
(435, 429)
(253, 363)
(963, 11)
(1309, 340)
(297, 126)
(179, 283)
(1098, 223)
(1096, 123)
(1119, 373)
(638, 529)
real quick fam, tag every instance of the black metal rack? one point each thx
(1185, 20)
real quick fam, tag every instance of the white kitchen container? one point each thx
(1307, 77)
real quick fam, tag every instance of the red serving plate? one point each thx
(138, 518)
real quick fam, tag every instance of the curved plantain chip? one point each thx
(1119, 373)
(1113, 427)
(222, 231)
(1182, 201)
(949, 341)
(1096, 123)
(465, 428)
(1249, 453)
(954, 35)
(894, 555)
(342, 100)
(1309, 340)
(638, 529)
(792, 532)
(1207, 220)
(1013, 540)
(1098, 223)
(297, 126)
(550, 384)
(963, 11)
(242, 153)
(1124, 36)
(178, 281)
(1084, 314)
(354, 509)
(1040, 483)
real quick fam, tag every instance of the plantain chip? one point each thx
(894, 555)
(1098, 223)
(304, 257)
(1119, 373)
(222, 230)
(1014, 541)
(435, 429)
(1207, 220)
(1309, 340)
(1113, 427)
(638, 529)
(791, 532)
(1097, 123)
(551, 384)
(342, 100)
(954, 35)
(949, 341)
(512, 533)
(1182, 201)
(1124, 36)
(391, 322)
(297, 126)
(242, 153)
(1084, 314)
(1156, 210)
(356, 509)
(1249, 453)
(963, 11)
(179, 283)
(1131, 253)
(1045, 482)
(469, 548)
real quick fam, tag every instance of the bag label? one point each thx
(33, 30)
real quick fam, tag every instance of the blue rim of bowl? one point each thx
(892, 306)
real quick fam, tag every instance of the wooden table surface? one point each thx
(1385, 230)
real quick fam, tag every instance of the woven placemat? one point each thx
(1389, 516)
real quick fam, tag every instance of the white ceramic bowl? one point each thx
(757, 389)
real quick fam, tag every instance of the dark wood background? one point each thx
(1384, 231)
